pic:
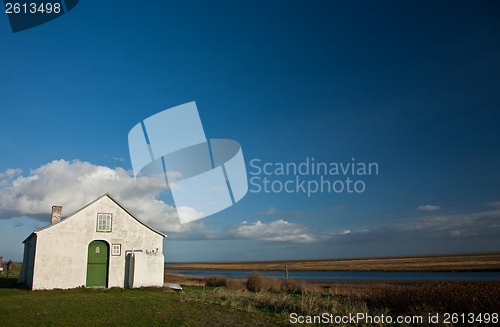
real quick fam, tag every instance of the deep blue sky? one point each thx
(411, 86)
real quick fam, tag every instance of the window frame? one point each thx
(113, 250)
(110, 223)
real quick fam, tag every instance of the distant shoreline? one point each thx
(433, 263)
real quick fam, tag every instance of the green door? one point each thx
(97, 264)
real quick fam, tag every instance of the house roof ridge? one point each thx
(112, 198)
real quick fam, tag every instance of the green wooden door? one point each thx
(97, 264)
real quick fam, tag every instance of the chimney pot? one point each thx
(56, 214)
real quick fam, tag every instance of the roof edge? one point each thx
(131, 214)
(89, 204)
(30, 236)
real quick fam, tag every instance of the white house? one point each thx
(101, 245)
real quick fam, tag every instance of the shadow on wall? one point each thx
(128, 255)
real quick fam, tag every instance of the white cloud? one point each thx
(279, 230)
(457, 225)
(76, 183)
(428, 207)
(270, 211)
(7, 175)
(484, 225)
(493, 204)
(298, 213)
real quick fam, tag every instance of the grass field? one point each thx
(450, 262)
(256, 301)
(118, 307)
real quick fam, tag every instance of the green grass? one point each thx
(260, 301)
(118, 307)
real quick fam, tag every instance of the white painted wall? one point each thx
(62, 248)
(146, 269)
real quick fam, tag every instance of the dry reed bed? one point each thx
(417, 298)
(455, 262)
(182, 279)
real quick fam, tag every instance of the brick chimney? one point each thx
(56, 214)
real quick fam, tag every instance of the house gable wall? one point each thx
(61, 251)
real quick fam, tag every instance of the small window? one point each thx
(104, 222)
(116, 249)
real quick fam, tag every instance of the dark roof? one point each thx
(112, 199)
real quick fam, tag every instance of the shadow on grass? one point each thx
(8, 282)
(11, 281)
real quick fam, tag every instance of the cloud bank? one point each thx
(279, 230)
(428, 207)
(484, 225)
(73, 184)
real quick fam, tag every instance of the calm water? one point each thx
(352, 274)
